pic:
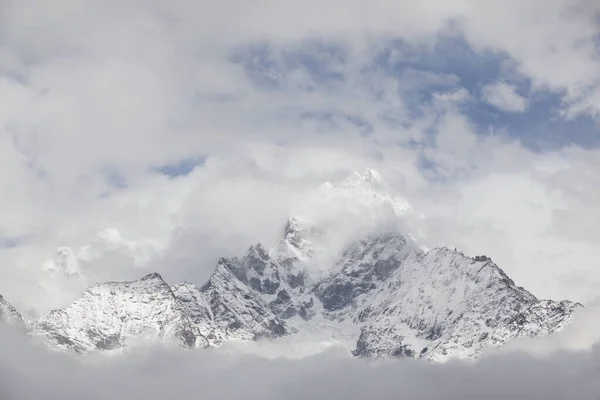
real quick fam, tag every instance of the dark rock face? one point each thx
(281, 281)
(225, 301)
(102, 342)
(361, 269)
(454, 304)
(256, 269)
(61, 341)
(365, 349)
(282, 305)
(405, 302)
(338, 295)
(305, 310)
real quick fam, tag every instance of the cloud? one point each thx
(251, 106)
(156, 372)
(505, 97)
(202, 126)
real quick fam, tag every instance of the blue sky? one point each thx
(182, 167)
(196, 128)
(452, 101)
(540, 127)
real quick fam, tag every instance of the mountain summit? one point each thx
(380, 293)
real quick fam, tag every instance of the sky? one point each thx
(199, 126)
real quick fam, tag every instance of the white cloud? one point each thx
(126, 86)
(505, 97)
(30, 372)
(457, 96)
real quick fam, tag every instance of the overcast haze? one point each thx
(200, 126)
(164, 373)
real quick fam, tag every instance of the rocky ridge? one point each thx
(390, 296)
(9, 315)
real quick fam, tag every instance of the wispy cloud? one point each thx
(30, 372)
(201, 125)
(505, 97)
(106, 103)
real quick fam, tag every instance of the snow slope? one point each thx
(109, 315)
(380, 295)
(9, 315)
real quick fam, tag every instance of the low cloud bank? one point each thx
(28, 371)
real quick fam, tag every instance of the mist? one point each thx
(29, 371)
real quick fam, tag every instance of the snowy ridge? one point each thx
(9, 315)
(225, 308)
(109, 315)
(443, 304)
(381, 295)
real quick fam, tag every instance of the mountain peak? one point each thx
(154, 276)
(372, 176)
(257, 252)
(109, 315)
(9, 315)
(348, 266)
(369, 178)
(381, 295)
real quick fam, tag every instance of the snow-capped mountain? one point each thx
(108, 315)
(337, 214)
(382, 292)
(226, 308)
(441, 304)
(69, 272)
(9, 315)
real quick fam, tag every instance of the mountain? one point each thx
(337, 213)
(62, 278)
(227, 308)
(441, 304)
(111, 315)
(381, 290)
(9, 315)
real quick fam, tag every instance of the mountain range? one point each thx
(377, 291)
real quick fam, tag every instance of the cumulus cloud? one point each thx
(29, 372)
(275, 99)
(505, 97)
(268, 100)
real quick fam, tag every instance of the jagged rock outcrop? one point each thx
(361, 269)
(407, 302)
(109, 315)
(227, 308)
(441, 304)
(9, 315)
(389, 295)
